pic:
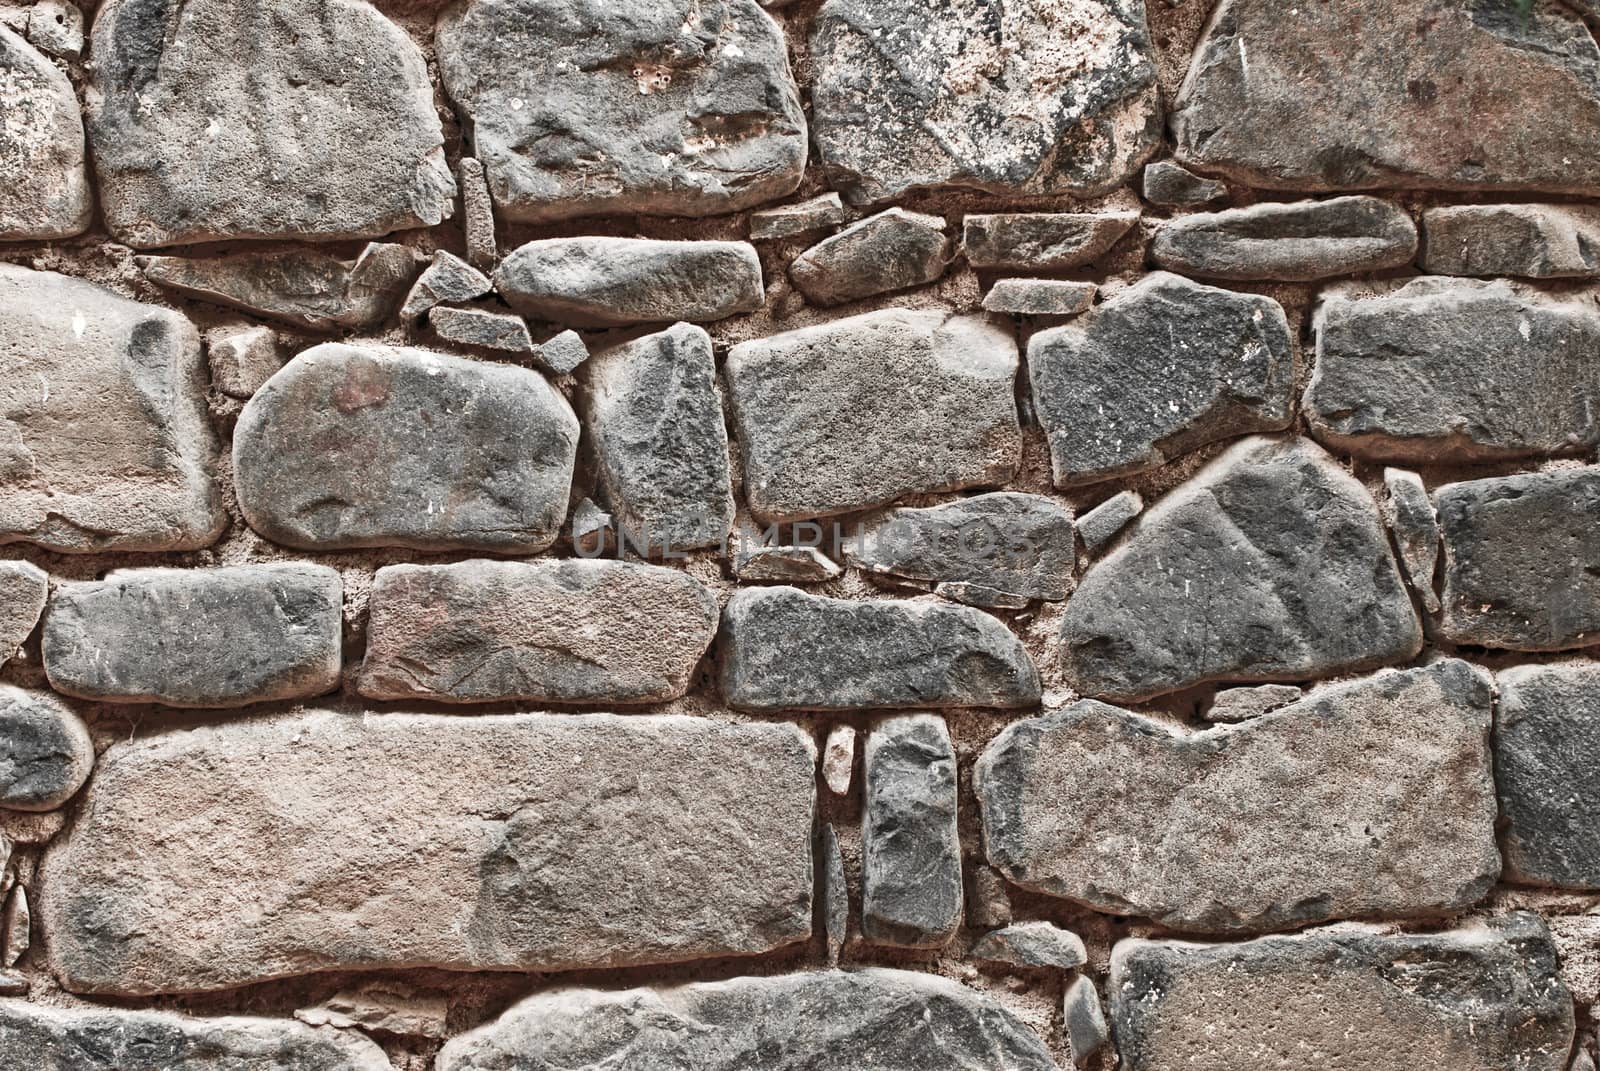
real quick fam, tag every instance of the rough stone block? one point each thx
(1083, 1021)
(1532, 241)
(1100, 525)
(242, 358)
(1171, 185)
(448, 280)
(483, 329)
(1242, 704)
(1032, 945)
(784, 565)
(892, 250)
(45, 751)
(44, 187)
(1292, 242)
(23, 590)
(911, 888)
(1039, 297)
(1546, 745)
(1041, 241)
(820, 213)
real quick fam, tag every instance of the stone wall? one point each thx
(641, 534)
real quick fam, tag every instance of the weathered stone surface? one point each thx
(988, 903)
(484, 329)
(1400, 821)
(42, 1038)
(366, 445)
(1293, 242)
(1242, 704)
(55, 27)
(591, 529)
(782, 649)
(839, 759)
(857, 412)
(44, 188)
(1534, 241)
(1030, 99)
(390, 1008)
(911, 887)
(906, 1021)
(104, 439)
(1455, 370)
(1039, 297)
(1546, 744)
(303, 288)
(835, 894)
(16, 928)
(477, 215)
(1522, 560)
(45, 753)
(447, 280)
(242, 358)
(665, 108)
(1269, 564)
(1313, 99)
(1163, 367)
(1008, 542)
(785, 565)
(1484, 997)
(785, 221)
(1409, 513)
(563, 353)
(892, 250)
(659, 443)
(556, 631)
(1041, 241)
(13, 984)
(1031, 944)
(23, 590)
(1105, 522)
(521, 842)
(197, 637)
(605, 282)
(187, 150)
(1083, 1021)
(1171, 185)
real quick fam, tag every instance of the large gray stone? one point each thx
(660, 446)
(44, 188)
(857, 412)
(1446, 370)
(1270, 564)
(530, 842)
(45, 751)
(366, 445)
(782, 649)
(1041, 241)
(105, 443)
(1485, 997)
(1293, 242)
(554, 631)
(42, 1038)
(1409, 513)
(1350, 94)
(1373, 797)
(23, 590)
(1534, 241)
(1009, 99)
(892, 250)
(911, 852)
(897, 1020)
(609, 282)
(208, 123)
(577, 108)
(1546, 745)
(1522, 560)
(1164, 367)
(197, 637)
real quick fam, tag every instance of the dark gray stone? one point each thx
(1292, 242)
(659, 443)
(1163, 367)
(1270, 564)
(1099, 526)
(242, 358)
(1446, 370)
(892, 250)
(477, 215)
(1546, 746)
(334, 134)
(1409, 513)
(911, 887)
(900, 1020)
(785, 565)
(1242, 704)
(1533, 241)
(45, 751)
(1041, 241)
(483, 329)
(781, 649)
(1031, 944)
(563, 353)
(662, 107)
(974, 93)
(1171, 185)
(1392, 814)
(835, 894)
(855, 413)
(366, 445)
(448, 280)
(1039, 297)
(1319, 99)
(607, 282)
(197, 637)
(1083, 1021)
(820, 213)
(988, 903)
(1485, 997)
(16, 928)
(1012, 543)
(23, 590)
(44, 187)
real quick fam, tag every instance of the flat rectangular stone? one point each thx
(235, 853)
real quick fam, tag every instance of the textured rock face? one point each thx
(366, 445)
(857, 412)
(1455, 370)
(1162, 368)
(44, 189)
(906, 1021)
(911, 888)
(1098, 527)
(890, 251)
(783, 649)
(1480, 998)
(396, 840)
(1293, 242)
(1172, 185)
(563, 632)
(822, 212)
(1032, 944)
(1314, 99)
(1535, 241)
(45, 752)
(105, 1039)
(1270, 564)
(23, 589)
(483, 329)
(1545, 746)
(197, 638)
(660, 445)
(579, 108)
(134, 372)
(1039, 297)
(242, 359)
(1033, 98)
(447, 280)
(1521, 554)
(1041, 241)
(1083, 1021)
(1400, 821)
(186, 150)
(1409, 513)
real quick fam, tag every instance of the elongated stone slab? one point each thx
(1546, 744)
(521, 842)
(1532, 241)
(911, 852)
(1293, 242)
(556, 631)
(44, 188)
(1041, 241)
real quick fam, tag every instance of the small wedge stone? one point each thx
(839, 759)
(1409, 513)
(1171, 185)
(1083, 1021)
(1105, 522)
(242, 358)
(484, 329)
(448, 280)
(1031, 944)
(892, 250)
(786, 221)
(1232, 705)
(563, 353)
